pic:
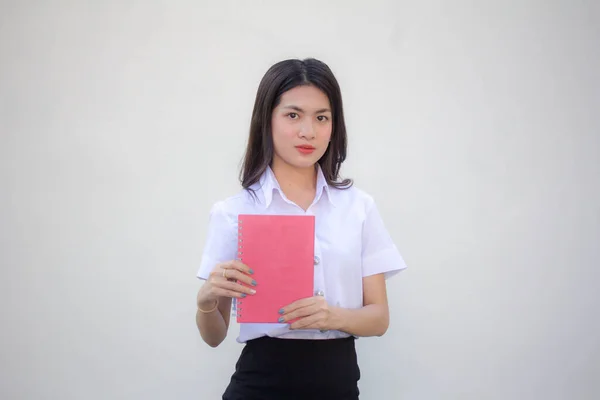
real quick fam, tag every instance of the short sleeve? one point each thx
(379, 252)
(221, 240)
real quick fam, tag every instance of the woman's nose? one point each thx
(308, 131)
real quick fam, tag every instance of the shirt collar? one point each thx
(268, 183)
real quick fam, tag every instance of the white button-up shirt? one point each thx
(351, 242)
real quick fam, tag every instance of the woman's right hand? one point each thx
(224, 281)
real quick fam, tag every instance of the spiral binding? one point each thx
(238, 302)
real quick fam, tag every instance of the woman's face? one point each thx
(301, 126)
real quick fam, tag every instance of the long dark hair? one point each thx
(280, 78)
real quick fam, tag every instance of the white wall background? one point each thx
(474, 125)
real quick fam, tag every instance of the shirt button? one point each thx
(317, 260)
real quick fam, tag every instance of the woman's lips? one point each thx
(305, 149)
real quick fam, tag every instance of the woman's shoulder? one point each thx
(352, 196)
(234, 204)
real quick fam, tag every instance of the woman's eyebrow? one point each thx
(296, 108)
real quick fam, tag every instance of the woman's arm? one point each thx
(370, 320)
(214, 299)
(213, 325)
(373, 318)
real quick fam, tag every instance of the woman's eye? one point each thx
(292, 115)
(322, 118)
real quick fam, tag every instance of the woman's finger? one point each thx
(309, 322)
(234, 286)
(306, 302)
(238, 265)
(221, 292)
(237, 275)
(223, 272)
(298, 313)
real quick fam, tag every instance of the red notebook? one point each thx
(280, 251)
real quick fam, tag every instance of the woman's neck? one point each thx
(298, 184)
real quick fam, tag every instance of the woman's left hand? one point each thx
(309, 313)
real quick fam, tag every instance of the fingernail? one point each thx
(253, 283)
(243, 294)
(252, 291)
(281, 311)
(281, 319)
(251, 271)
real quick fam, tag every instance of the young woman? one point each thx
(296, 147)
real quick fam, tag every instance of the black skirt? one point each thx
(289, 369)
